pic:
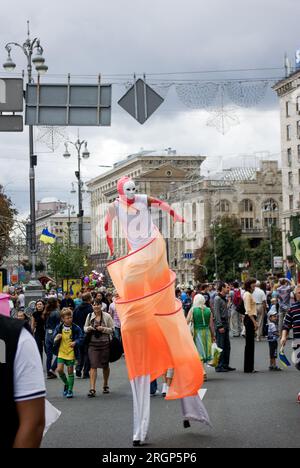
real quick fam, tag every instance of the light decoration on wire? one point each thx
(52, 136)
(197, 95)
(246, 94)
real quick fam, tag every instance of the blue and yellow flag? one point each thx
(47, 237)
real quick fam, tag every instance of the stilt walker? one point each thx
(155, 335)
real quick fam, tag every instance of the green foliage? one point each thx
(7, 213)
(66, 261)
(232, 248)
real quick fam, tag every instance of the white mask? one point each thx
(129, 189)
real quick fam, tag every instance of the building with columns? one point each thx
(254, 196)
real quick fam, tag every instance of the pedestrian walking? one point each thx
(273, 336)
(38, 326)
(79, 318)
(52, 319)
(99, 325)
(67, 339)
(250, 325)
(292, 322)
(221, 325)
(114, 315)
(235, 317)
(261, 307)
(284, 299)
(203, 326)
(22, 387)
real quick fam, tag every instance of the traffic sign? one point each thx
(11, 95)
(140, 101)
(68, 104)
(11, 123)
(188, 255)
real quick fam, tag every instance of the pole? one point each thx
(80, 220)
(215, 252)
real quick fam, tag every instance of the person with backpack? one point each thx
(236, 319)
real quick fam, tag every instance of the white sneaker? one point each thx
(156, 393)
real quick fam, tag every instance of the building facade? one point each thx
(253, 196)
(288, 91)
(155, 175)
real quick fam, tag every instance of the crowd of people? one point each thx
(76, 332)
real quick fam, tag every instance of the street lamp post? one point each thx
(213, 227)
(85, 155)
(28, 48)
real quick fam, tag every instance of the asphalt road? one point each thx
(257, 410)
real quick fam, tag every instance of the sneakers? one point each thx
(51, 375)
(274, 368)
(69, 394)
(65, 393)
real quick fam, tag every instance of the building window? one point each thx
(298, 129)
(290, 179)
(288, 108)
(288, 132)
(247, 223)
(289, 157)
(247, 206)
(298, 104)
(298, 153)
(291, 202)
(223, 206)
(270, 222)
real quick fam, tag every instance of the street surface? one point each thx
(257, 410)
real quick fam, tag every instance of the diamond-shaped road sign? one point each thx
(140, 101)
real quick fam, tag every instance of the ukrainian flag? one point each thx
(47, 237)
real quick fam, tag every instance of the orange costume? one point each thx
(155, 334)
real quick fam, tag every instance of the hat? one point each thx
(272, 312)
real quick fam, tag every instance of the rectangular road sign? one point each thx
(68, 104)
(11, 95)
(11, 123)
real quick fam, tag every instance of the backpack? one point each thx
(237, 297)
(241, 308)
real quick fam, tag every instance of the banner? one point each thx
(73, 286)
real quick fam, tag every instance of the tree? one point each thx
(260, 256)
(7, 213)
(66, 261)
(230, 249)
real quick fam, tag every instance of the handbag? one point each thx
(115, 349)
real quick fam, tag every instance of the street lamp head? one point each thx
(38, 58)
(41, 69)
(66, 153)
(85, 153)
(9, 65)
(73, 189)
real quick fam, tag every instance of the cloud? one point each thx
(120, 37)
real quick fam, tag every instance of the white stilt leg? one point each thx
(140, 387)
(193, 409)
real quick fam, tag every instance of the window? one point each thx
(288, 132)
(223, 206)
(291, 202)
(270, 222)
(298, 104)
(298, 153)
(288, 108)
(298, 129)
(247, 223)
(290, 179)
(247, 206)
(289, 157)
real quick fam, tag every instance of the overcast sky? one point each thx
(155, 37)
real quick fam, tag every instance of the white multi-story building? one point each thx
(288, 91)
(62, 226)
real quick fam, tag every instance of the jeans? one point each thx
(40, 341)
(235, 321)
(49, 352)
(223, 342)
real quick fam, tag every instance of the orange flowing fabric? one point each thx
(155, 334)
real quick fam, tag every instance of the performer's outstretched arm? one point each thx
(108, 227)
(165, 207)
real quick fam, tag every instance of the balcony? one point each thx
(255, 233)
